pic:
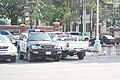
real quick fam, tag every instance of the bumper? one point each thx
(42, 53)
(5, 56)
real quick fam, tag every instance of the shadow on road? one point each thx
(71, 60)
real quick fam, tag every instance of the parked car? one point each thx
(105, 39)
(7, 49)
(35, 43)
(8, 34)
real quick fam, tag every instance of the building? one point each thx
(82, 20)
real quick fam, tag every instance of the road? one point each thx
(91, 68)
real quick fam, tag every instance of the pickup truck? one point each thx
(71, 46)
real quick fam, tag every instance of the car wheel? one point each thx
(56, 57)
(29, 56)
(19, 54)
(64, 54)
(86, 39)
(81, 55)
(13, 59)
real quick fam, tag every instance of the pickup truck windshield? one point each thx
(39, 37)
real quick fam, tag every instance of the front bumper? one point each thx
(40, 53)
(6, 55)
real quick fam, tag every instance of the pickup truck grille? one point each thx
(47, 46)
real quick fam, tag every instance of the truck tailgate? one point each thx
(71, 45)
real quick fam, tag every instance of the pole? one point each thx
(97, 45)
(82, 17)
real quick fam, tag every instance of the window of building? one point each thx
(87, 10)
(88, 27)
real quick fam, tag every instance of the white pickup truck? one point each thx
(70, 46)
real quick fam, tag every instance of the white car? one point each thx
(7, 49)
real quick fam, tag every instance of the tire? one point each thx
(19, 54)
(56, 57)
(29, 56)
(64, 54)
(13, 59)
(81, 55)
(86, 39)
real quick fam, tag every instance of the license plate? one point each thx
(48, 53)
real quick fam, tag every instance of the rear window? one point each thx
(78, 34)
(109, 37)
(4, 33)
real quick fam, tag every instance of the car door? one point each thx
(23, 43)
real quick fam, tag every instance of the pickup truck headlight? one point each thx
(36, 47)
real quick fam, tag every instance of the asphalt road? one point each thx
(91, 68)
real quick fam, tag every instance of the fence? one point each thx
(112, 50)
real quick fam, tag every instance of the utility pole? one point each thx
(82, 16)
(97, 45)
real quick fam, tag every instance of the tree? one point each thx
(33, 8)
(54, 11)
(12, 9)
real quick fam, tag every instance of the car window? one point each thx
(76, 33)
(21, 37)
(4, 33)
(109, 37)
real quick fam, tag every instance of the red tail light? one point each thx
(67, 45)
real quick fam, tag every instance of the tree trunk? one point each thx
(14, 21)
(30, 24)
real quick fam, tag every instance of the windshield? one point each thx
(52, 35)
(39, 36)
(109, 37)
(4, 39)
(75, 33)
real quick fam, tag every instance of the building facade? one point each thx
(82, 20)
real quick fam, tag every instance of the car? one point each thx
(7, 49)
(104, 39)
(35, 43)
(9, 35)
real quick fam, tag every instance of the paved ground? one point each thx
(91, 68)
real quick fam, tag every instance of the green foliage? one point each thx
(48, 10)
(2, 23)
(12, 9)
